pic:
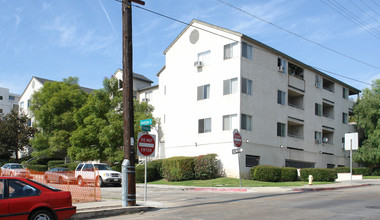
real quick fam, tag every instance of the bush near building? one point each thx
(319, 174)
(205, 167)
(269, 173)
(178, 168)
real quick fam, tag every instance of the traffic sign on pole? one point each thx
(146, 145)
(237, 138)
(146, 122)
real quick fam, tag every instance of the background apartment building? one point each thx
(8, 101)
(216, 80)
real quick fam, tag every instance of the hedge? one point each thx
(288, 174)
(54, 163)
(178, 168)
(319, 174)
(266, 173)
(151, 173)
(40, 168)
(205, 167)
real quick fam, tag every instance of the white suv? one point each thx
(99, 173)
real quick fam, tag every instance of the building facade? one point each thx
(8, 101)
(216, 80)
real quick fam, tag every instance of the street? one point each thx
(354, 203)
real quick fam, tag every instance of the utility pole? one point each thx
(128, 166)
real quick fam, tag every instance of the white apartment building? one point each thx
(8, 101)
(216, 80)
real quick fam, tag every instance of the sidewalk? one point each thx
(112, 207)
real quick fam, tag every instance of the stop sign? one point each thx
(237, 138)
(146, 144)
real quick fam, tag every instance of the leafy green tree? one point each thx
(15, 133)
(367, 113)
(100, 125)
(53, 107)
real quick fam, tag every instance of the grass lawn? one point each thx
(371, 177)
(232, 182)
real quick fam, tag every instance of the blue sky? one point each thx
(55, 39)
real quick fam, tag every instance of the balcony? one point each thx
(328, 109)
(295, 99)
(328, 85)
(295, 128)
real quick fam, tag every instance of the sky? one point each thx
(56, 39)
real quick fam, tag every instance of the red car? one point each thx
(22, 198)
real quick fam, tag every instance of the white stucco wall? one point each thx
(6, 102)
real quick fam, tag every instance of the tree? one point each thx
(53, 107)
(15, 133)
(367, 113)
(100, 125)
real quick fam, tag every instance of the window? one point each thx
(229, 86)
(295, 70)
(345, 93)
(11, 98)
(204, 57)
(230, 50)
(19, 189)
(281, 129)
(29, 102)
(21, 106)
(229, 122)
(1, 110)
(120, 84)
(281, 97)
(344, 118)
(203, 92)
(251, 160)
(246, 122)
(246, 86)
(1, 97)
(330, 166)
(29, 122)
(246, 50)
(318, 137)
(318, 81)
(204, 125)
(281, 65)
(318, 109)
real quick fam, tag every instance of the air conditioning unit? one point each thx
(281, 68)
(198, 63)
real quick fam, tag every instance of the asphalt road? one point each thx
(354, 203)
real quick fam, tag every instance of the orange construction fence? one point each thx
(66, 181)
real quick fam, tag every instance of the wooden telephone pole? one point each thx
(128, 117)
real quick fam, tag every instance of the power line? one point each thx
(370, 7)
(352, 17)
(188, 24)
(373, 18)
(299, 36)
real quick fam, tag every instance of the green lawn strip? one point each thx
(371, 177)
(232, 182)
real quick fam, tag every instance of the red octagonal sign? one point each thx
(237, 139)
(146, 145)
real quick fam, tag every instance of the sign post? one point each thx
(146, 147)
(238, 141)
(351, 143)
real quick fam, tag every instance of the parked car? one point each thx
(99, 173)
(14, 169)
(59, 175)
(23, 198)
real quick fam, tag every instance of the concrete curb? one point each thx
(107, 211)
(216, 189)
(327, 188)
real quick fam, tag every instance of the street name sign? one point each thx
(146, 122)
(146, 145)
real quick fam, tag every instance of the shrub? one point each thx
(266, 173)
(40, 168)
(205, 167)
(342, 169)
(54, 163)
(157, 164)
(288, 174)
(178, 168)
(365, 171)
(376, 172)
(319, 174)
(151, 173)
